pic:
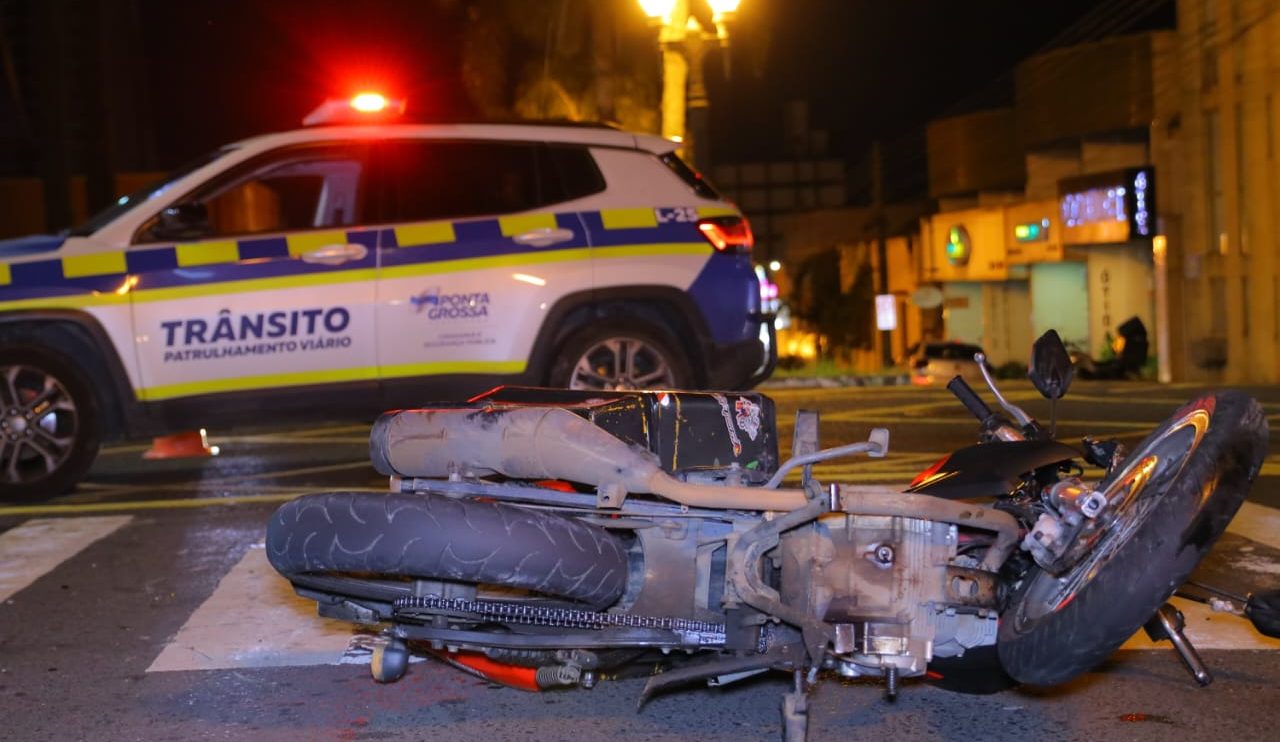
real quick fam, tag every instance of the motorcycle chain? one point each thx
(569, 618)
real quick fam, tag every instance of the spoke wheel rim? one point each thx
(620, 364)
(39, 424)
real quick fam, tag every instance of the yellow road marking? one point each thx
(177, 504)
(879, 418)
(230, 483)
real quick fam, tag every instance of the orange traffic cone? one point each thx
(187, 444)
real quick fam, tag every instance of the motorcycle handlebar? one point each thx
(970, 399)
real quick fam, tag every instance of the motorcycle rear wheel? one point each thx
(1172, 497)
(358, 538)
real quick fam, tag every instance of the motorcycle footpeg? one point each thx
(1168, 623)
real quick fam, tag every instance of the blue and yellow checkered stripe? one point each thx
(256, 263)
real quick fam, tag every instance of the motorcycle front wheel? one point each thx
(1169, 501)
(353, 543)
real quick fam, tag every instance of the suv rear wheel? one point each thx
(616, 356)
(49, 426)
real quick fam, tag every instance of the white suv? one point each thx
(336, 271)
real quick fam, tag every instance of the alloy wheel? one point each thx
(622, 363)
(39, 422)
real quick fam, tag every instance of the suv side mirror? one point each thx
(187, 221)
(1051, 370)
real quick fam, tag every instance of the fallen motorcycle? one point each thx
(546, 538)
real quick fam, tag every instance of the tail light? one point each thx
(731, 234)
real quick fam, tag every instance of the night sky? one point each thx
(224, 69)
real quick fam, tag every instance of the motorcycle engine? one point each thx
(895, 589)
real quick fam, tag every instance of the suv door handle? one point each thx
(543, 236)
(335, 254)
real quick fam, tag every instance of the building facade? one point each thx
(1221, 263)
(1049, 211)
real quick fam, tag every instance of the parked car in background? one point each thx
(938, 362)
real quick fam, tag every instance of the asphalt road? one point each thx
(141, 607)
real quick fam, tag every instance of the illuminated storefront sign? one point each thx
(1108, 207)
(1031, 231)
(886, 312)
(958, 247)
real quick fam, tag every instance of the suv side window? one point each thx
(425, 180)
(298, 188)
(578, 170)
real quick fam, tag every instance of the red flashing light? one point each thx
(369, 102)
(363, 108)
(727, 233)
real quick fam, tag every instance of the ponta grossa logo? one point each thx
(437, 305)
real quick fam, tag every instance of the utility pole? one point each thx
(882, 251)
(49, 21)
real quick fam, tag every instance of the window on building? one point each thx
(1218, 298)
(1216, 216)
(1242, 208)
(1271, 138)
(1208, 44)
(1244, 298)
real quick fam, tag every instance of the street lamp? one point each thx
(684, 43)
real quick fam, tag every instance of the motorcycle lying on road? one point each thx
(547, 538)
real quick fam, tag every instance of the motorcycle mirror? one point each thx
(1263, 609)
(1051, 370)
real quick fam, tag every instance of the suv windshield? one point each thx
(125, 203)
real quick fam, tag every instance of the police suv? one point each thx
(340, 270)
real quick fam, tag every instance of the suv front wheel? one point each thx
(620, 357)
(48, 424)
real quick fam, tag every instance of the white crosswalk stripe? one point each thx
(1209, 630)
(38, 546)
(254, 619)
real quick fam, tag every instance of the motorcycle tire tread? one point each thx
(1157, 558)
(430, 536)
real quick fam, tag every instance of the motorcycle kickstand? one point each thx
(795, 712)
(1168, 623)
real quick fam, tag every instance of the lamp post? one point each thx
(684, 43)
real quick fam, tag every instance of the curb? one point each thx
(835, 382)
